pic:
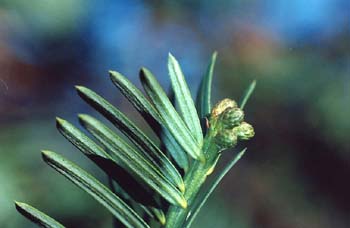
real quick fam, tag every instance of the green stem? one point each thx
(193, 180)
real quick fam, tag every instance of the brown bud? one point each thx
(221, 106)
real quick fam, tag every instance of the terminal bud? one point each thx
(221, 106)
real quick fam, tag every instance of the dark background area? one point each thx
(296, 172)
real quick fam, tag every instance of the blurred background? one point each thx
(296, 172)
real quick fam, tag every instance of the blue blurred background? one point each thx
(296, 172)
